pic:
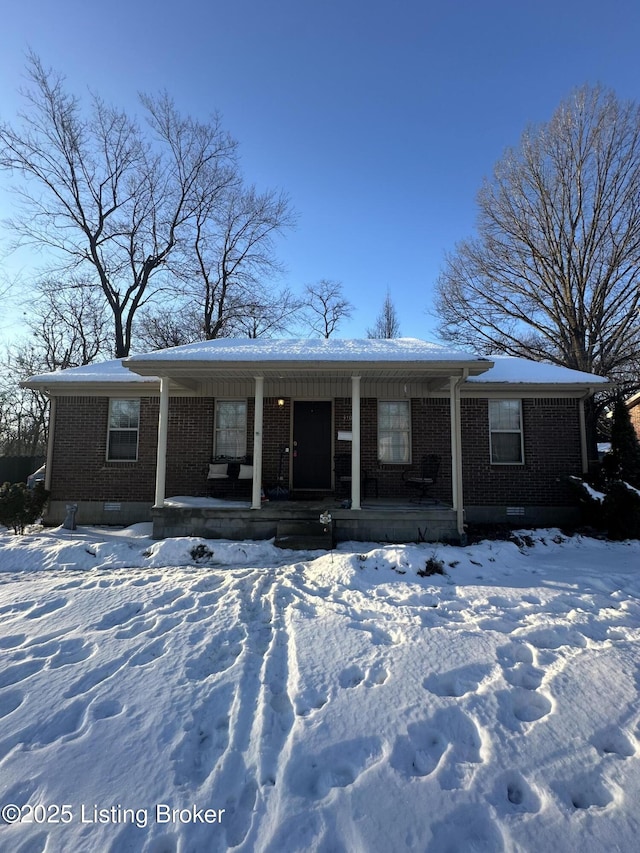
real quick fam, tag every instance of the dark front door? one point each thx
(312, 444)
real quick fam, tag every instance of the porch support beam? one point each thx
(355, 443)
(256, 497)
(163, 429)
(456, 450)
(51, 438)
(584, 449)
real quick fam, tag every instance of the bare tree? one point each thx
(68, 327)
(234, 256)
(173, 325)
(554, 272)
(24, 414)
(326, 306)
(387, 324)
(102, 195)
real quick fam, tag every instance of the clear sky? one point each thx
(379, 119)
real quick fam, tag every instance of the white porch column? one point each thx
(52, 432)
(256, 499)
(456, 451)
(163, 428)
(355, 443)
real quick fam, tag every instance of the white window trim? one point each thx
(111, 429)
(410, 442)
(509, 431)
(215, 422)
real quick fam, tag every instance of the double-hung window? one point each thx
(505, 429)
(394, 431)
(231, 428)
(124, 426)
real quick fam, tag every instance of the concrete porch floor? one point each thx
(379, 520)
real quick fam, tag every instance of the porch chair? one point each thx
(423, 478)
(231, 474)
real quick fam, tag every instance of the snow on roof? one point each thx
(506, 369)
(308, 349)
(102, 371)
(523, 371)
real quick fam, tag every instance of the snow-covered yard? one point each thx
(273, 701)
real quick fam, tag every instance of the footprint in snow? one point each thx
(457, 682)
(46, 608)
(12, 641)
(512, 794)
(10, 701)
(18, 607)
(219, 655)
(19, 671)
(71, 651)
(584, 792)
(555, 638)
(309, 701)
(613, 741)
(205, 739)
(119, 615)
(106, 709)
(521, 706)
(450, 743)
(94, 677)
(148, 654)
(351, 676)
(524, 675)
(376, 675)
(338, 766)
(515, 653)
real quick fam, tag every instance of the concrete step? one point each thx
(304, 535)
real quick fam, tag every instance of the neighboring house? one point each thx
(633, 404)
(135, 438)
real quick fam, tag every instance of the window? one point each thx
(505, 427)
(124, 421)
(394, 433)
(231, 428)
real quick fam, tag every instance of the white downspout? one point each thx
(355, 442)
(256, 493)
(163, 429)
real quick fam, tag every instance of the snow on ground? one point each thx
(192, 695)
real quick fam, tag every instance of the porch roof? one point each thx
(229, 358)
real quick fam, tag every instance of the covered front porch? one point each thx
(316, 403)
(306, 523)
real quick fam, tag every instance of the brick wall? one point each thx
(634, 413)
(551, 433)
(80, 470)
(551, 451)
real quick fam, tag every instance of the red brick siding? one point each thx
(189, 445)
(80, 470)
(551, 451)
(634, 413)
(551, 435)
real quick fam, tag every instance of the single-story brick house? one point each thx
(160, 435)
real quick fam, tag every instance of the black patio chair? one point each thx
(423, 479)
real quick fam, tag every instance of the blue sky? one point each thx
(379, 119)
